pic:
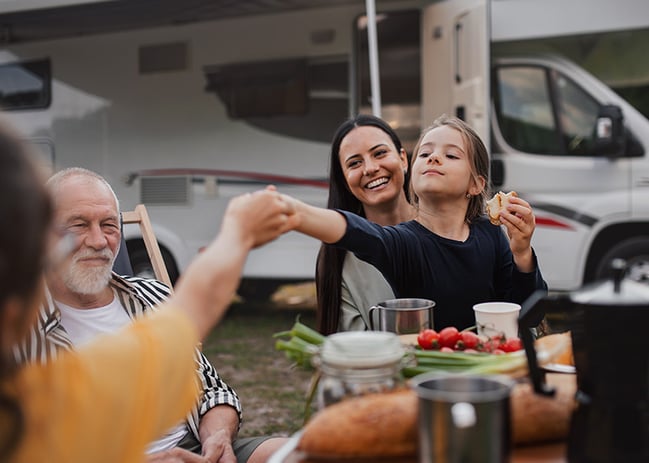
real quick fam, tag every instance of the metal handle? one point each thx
(371, 315)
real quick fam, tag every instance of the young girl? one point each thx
(450, 252)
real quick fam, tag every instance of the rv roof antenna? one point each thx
(372, 46)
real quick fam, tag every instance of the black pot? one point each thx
(608, 321)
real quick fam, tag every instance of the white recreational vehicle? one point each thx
(186, 104)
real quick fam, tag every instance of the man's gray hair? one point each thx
(53, 184)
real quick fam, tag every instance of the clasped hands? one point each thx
(264, 215)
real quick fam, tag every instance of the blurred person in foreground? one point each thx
(85, 299)
(76, 408)
(369, 176)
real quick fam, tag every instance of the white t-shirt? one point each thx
(83, 325)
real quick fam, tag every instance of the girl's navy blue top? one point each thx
(456, 275)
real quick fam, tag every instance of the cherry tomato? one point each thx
(486, 344)
(446, 349)
(449, 336)
(428, 339)
(468, 340)
(512, 345)
(498, 339)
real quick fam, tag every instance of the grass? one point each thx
(272, 390)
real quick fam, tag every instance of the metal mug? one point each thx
(463, 418)
(402, 316)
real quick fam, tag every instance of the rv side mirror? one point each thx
(610, 138)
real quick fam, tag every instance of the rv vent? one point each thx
(164, 190)
(163, 57)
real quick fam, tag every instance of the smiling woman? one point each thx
(368, 176)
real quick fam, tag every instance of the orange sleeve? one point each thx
(104, 403)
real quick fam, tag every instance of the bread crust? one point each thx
(385, 424)
(497, 204)
(558, 345)
(537, 418)
(372, 425)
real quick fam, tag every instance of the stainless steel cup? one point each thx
(463, 419)
(402, 316)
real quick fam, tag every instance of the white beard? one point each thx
(88, 281)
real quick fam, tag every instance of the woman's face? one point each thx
(373, 168)
(442, 167)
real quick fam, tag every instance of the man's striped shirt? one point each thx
(137, 296)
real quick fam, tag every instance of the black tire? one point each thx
(635, 251)
(257, 290)
(142, 265)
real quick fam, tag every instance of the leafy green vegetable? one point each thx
(302, 342)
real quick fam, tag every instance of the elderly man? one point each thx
(87, 299)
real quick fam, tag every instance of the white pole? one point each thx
(372, 47)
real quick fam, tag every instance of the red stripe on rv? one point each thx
(552, 223)
(270, 178)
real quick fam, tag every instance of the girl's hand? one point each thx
(520, 223)
(261, 216)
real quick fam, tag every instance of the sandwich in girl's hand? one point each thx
(497, 204)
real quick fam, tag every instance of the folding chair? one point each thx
(140, 216)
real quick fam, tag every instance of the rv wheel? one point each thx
(142, 265)
(635, 252)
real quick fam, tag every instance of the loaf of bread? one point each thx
(372, 425)
(497, 204)
(385, 425)
(559, 345)
(537, 418)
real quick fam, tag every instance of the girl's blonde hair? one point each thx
(478, 160)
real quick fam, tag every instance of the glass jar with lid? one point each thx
(353, 363)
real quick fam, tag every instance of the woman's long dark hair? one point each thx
(330, 259)
(26, 212)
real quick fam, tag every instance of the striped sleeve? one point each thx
(214, 391)
(45, 338)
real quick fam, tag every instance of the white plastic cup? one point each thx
(497, 317)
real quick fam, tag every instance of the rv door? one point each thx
(455, 62)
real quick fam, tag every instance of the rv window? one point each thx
(524, 110)
(577, 114)
(261, 88)
(541, 111)
(25, 85)
(305, 99)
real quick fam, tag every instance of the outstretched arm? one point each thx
(207, 287)
(325, 225)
